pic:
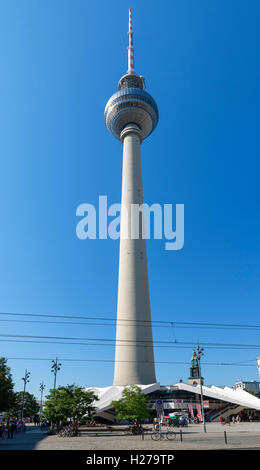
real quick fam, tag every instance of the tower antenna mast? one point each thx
(130, 45)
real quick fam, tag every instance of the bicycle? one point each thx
(134, 430)
(157, 435)
(68, 432)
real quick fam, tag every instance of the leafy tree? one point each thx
(70, 402)
(133, 405)
(7, 395)
(31, 407)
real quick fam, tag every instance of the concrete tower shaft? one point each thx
(134, 341)
(131, 115)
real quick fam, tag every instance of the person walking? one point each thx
(12, 429)
(8, 428)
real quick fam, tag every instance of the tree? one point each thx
(70, 402)
(7, 395)
(133, 405)
(31, 407)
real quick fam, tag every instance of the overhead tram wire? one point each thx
(131, 342)
(99, 344)
(176, 324)
(68, 323)
(170, 324)
(112, 360)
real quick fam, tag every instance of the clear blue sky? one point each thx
(60, 62)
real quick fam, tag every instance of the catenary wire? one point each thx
(135, 342)
(114, 319)
(112, 360)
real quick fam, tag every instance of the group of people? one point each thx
(9, 427)
(236, 419)
(194, 420)
(174, 421)
(45, 425)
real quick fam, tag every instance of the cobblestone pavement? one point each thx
(241, 436)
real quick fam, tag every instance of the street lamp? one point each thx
(55, 368)
(199, 354)
(26, 380)
(42, 387)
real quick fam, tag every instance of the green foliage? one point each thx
(133, 405)
(31, 407)
(7, 395)
(69, 402)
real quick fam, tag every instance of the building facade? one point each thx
(252, 386)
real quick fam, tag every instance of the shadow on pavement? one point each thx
(24, 440)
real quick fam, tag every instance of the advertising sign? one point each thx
(191, 411)
(199, 412)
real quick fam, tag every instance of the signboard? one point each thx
(191, 411)
(199, 412)
(159, 407)
(159, 403)
(205, 404)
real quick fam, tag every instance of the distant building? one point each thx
(194, 378)
(252, 386)
(185, 399)
(182, 398)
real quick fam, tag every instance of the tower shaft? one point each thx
(134, 358)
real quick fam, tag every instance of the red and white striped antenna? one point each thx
(130, 45)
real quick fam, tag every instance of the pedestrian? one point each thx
(12, 429)
(8, 429)
(221, 419)
(228, 421)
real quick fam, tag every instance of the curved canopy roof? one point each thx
(235, 396)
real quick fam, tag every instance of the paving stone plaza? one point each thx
(239, 436)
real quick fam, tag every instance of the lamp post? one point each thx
(55, 368)
(42, 387)
(199, 354)
(26, 380)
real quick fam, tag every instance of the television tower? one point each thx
(131, 115)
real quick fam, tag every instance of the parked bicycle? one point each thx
(68, 432)
(134, 430)
(157, 435)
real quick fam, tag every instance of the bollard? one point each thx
(142, 434)
(181, 435)
(225, 436)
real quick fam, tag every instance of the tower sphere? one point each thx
(131, 105)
